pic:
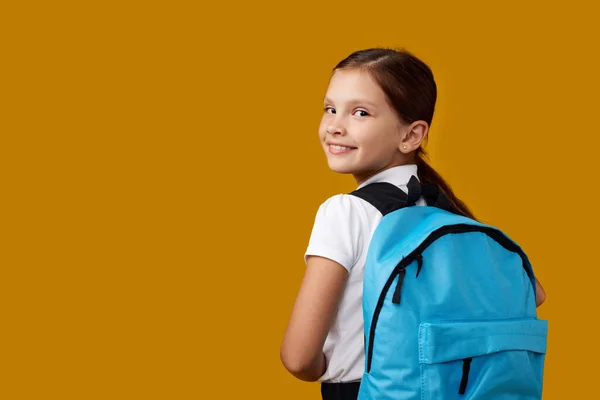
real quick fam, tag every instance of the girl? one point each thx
(378, 109)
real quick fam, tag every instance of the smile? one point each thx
(336, 149)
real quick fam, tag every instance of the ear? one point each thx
(415, 134)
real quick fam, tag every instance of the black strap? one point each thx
(384, 196)
(414, 191)
(388, 198)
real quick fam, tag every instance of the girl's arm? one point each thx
(311, 318)
(540, 295)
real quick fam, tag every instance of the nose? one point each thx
(335, 128)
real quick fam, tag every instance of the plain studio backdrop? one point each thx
(161, 172)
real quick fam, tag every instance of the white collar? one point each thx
(398, 176)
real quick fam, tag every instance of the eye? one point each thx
(330, 110)
(362, 113)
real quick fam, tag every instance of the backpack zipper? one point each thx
(400, 269)
(465, 375)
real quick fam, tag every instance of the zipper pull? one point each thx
(419, 264)
(465, 375)
(396, 297)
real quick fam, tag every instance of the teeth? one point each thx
(333, 146)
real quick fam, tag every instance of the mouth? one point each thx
(339, 149)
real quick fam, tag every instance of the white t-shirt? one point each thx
(342, 231)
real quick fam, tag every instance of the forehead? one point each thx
(347, 85)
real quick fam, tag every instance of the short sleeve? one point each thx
(337, 231)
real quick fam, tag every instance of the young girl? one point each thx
(378, 109)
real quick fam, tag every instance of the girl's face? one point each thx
(360, 132)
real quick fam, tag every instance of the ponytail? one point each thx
(427, 174)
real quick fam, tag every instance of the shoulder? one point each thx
(346, 207)
(345, 214)
(341, 228)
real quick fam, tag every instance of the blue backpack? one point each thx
(448, 303)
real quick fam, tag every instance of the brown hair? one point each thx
(410, 87)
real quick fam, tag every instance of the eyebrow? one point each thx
(353, 101)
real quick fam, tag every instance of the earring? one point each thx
(404, 147)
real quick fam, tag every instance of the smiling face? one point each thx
(360, 131)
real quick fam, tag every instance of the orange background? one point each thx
(161, 171)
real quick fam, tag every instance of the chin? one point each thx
(341, 169)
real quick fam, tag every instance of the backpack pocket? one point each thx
(482, 359)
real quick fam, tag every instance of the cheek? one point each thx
(323, 129)
(373, 135)
(379, 144)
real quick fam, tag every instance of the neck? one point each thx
(362, 177)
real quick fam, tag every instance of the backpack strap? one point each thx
(387, 197)
(431, 193)
(384, 196)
